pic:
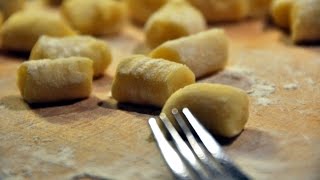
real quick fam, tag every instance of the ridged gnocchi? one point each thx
(95, 17)
(280, 12)
(45, 81)
(203, 53)
(222, 109)
(174, 20)
(21, 31)
(143, 80)
(8, 7)
(81, 46)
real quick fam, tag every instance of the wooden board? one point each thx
(95, 138)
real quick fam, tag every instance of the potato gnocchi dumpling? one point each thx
(143, 80)
(80, 46)
(305, 21)
(141, 10)
(53, 2)
(280, 12)
(48, 80)
(222, 10)
(95, 17)
(175, 19)
(222, 109)
(8, 7)
(203, 53)
(22, 30)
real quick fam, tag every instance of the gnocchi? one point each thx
(203, 53)
(143, 80)
(174, 20)
(95, 17)
(81, 46)
(46, 81)
(222, 109)
(22, 30)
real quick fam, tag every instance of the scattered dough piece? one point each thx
(22, 30)
(259, 7)
(95, 17)
(222, 10)
(280, 12)
(8, 7)
(80, 46)
(175, 19)
(222, 109)
(55, 80)
(203, 53)
(305, 21)
(141, 10)
(143, 80)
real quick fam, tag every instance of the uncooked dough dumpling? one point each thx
(174, 20)
(8, 7)
(95, 17)
(21, 31)
(141, 10)
(204, 53)
(48, 80)
(80, 46)
(222, 109)
(259, 7)
(280, 12)
(305, 21)
(143, 80)
(222, 10)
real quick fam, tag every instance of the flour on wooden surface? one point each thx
(261, 89)
(291, 86)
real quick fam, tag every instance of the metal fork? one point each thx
(201, 157)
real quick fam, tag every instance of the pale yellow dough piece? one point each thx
(280, 12)
(305, 21)
(143, 80)
(21, 31)
(95, 17)
(46, 81)
(222, 109)
(8, 7)
(222, 10)
(174, 20)
(80, 46)
(141, 10)
(203, 53)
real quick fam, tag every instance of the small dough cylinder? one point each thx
(142, 80)
(204, 53)
(174, 20)
(46, 81)
(21, 31)
(95, 17)
(305, 21)
(79, 46)
(222, 109)
(8, 7)
(222, 10)
(280, 12)
(141, 10)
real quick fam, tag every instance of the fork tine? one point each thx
(184, 149)
(214, 148)
(171, 157)
(213, 168)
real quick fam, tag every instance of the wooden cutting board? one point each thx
(96, 138)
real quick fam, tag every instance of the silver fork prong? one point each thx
(184, 149)
(213, 147)
(213, 168)
(173, 160)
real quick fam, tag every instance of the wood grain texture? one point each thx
(97, 138)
